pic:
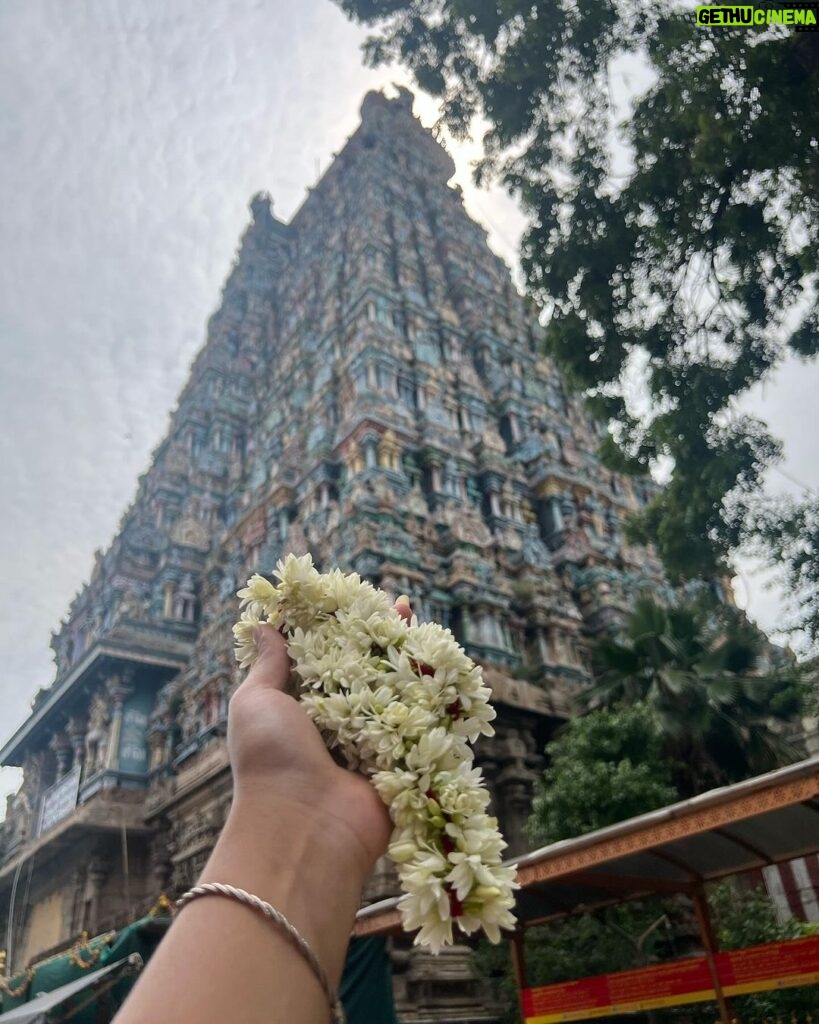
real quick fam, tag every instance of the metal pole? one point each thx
(709, 943)
(10, 926)
(125, 869)
(519, 964)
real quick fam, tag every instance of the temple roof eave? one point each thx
(122, 645)
(99, 816)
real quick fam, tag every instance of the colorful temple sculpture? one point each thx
(371, 389)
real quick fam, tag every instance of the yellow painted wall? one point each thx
(45, 923)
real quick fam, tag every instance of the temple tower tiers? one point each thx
(370, 390)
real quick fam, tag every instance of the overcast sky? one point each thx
(133, 135)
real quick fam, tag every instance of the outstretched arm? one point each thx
(302, 834)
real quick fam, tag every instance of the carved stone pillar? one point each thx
(513, 785)
(95, 876)
(444, 987)
(466, 625)
(514, 426)
(223, 692)
(388, 451)
(156, 745)
(161, 866)
(568, 509)
(76, 730)
(118, 691)
(27, 800)
(435, 472)
(383, 882)
(354, 459)
(73, 908)
(61, 745)
(542, 651)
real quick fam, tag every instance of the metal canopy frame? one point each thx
(677, 849)
(50, 1006)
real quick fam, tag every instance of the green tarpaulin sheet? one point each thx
(69, 1000)
(141, 937)
(366, 987)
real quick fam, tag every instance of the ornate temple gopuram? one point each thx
(371, 389)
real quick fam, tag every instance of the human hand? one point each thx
(280, 762)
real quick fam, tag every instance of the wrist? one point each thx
(308, 838)
(282, 854)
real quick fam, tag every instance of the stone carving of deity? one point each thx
(96, 738)
(296, 539)
(416, 502)
(467, 525)
(535, 551)
(21, 821)
(333, 519)
(188, 720)
(384, 493)
(191, 533)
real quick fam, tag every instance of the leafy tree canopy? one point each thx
(695, 270)
(613, 764)
(604, 767)
(722, 699)
(746, 917)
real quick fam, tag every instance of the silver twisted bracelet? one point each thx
(270, 912)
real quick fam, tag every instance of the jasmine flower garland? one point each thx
(402, 703)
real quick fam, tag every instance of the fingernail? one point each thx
(403, 599)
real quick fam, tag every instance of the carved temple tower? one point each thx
(370, 390)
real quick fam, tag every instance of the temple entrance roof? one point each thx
(765, 820)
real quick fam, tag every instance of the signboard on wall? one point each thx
(59, 801)
(133, 740)
(755, 969)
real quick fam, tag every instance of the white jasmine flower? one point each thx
(402, 703)
(246, 650)
(258, 590)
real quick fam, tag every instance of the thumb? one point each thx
(404, 609)
(271, 669)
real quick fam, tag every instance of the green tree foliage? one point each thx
(613, 764)
(788, 533)
(613, 939)
(746, 917)
(604, 767)
(610, 941)
(723, 711)
(697, 266)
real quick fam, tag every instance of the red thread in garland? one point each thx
(456, 908)
(455, 709)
